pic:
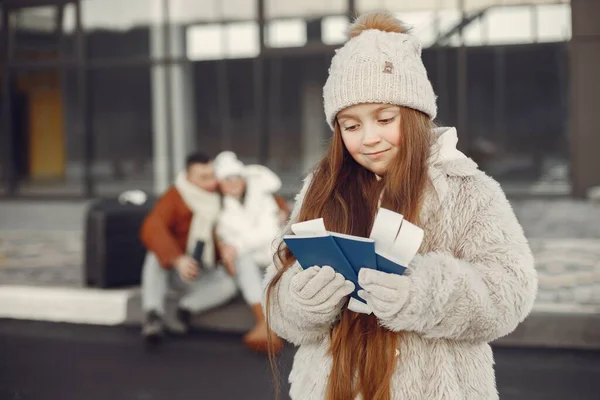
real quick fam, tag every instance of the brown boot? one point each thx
(258, 338)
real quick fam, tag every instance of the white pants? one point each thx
(212, 288)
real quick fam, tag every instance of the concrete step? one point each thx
(549, 325)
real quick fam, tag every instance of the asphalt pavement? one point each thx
(49, 361)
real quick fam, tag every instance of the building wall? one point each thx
(585, 89)
(517, 97)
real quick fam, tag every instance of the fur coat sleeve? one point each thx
(487, 285)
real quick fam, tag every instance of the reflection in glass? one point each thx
(122, 129)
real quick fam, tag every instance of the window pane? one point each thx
(518, 115)
(194, 11)
(122, 129)
(422, 24)
(507, 25)
(305, 8)
(37, 34)
(214, 41)
(474, 33)
(554, 23)
(236, 120)
(286, 33)
(205, 42)
(118, 15)
(405, 6)
(442, 22)
(119, 29)
(473, 5)
(470, 5)
(242, 40)
(333, 29)
(40, 19)
(3, 150)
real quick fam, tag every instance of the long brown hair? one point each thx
(346, 195)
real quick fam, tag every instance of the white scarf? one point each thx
(205, 206)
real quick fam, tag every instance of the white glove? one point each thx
(385, 293)
(320, 290)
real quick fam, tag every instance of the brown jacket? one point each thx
(165, 230)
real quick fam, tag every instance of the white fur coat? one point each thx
(474, 282)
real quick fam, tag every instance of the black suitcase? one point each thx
(114, 254)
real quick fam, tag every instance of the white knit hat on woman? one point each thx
(226, 165)
(379, 64)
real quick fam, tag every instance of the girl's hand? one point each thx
(320, 289)
(385, 293)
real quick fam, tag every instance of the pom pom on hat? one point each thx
(227, 164)
(381, 21)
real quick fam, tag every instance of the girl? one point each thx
(473, 280)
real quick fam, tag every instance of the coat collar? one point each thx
(445, 161)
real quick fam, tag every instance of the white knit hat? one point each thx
(379, 64)
(226, 164)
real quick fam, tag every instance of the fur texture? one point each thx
(473, 282)
(382, 21)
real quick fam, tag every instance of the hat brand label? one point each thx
(388, 68)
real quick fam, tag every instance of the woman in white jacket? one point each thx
(473, 279)
(248, 223)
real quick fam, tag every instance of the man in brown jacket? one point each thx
(183, 220)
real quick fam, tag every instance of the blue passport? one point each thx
(322, 250)
(359, 251)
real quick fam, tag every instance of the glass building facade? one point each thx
(100, 96)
